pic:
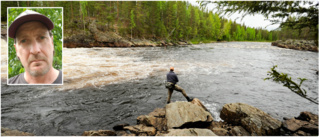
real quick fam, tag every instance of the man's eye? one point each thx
(42, 37)
(23, 41)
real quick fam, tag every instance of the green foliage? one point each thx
(306, 13)
(55, 14)
(283, 78)
(164, 20)
(83, 6)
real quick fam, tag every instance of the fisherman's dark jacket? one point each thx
(172, 77)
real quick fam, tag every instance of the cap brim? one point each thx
(31, 17)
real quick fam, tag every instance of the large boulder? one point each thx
(189, 132)
(255, 121)
(187, 115)
(156, 119)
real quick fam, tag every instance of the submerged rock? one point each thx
(186, 114)
(255, 121)
(189, 132)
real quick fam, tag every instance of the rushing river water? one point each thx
(104, 87)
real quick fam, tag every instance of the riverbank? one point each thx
(96, 37)
(307, 45)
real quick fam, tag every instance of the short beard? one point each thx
(39, 73)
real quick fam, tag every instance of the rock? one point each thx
(124, 133)
(308, 116)
(182, 43)
(143, 43)
(310, 128)
(252, 119)
(300, 133)
(220, 131)
(189, 132)
(156, 119)
(187, 115)
(196, 101)
(99, 133)
(239, 131)
(9, 132)
(308, 45)
(219, 124)
(293, 124)
(120, 127)
(141, 130)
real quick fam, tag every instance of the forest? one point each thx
(161, 20)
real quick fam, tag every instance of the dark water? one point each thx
(217, 74)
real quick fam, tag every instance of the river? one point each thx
(104, 87)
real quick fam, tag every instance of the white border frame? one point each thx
(8, 44)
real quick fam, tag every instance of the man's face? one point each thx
(34, 47)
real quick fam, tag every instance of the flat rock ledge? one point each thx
(308, 45)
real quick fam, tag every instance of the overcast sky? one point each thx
(256, 21)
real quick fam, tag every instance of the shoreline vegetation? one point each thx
(176, 119)
(166, 23)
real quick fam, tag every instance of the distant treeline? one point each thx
(166, 20)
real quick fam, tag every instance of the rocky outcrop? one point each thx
(96, 38)
(309, 45)
(193, 119)
(9, 132)
(186, 114)
(305, 124)
(255, 121)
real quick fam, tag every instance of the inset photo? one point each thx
(35, 46)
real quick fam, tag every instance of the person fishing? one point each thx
(171, 85)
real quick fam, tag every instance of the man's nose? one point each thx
(35, 47)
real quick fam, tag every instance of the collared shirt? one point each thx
(19, 79)
(172, 77)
